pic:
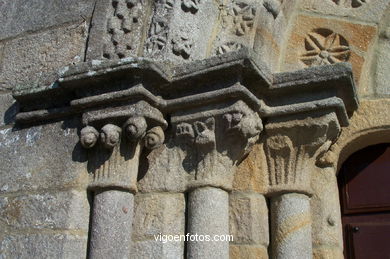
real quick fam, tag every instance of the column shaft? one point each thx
(291, 226)
(112, 220)
(208, 215)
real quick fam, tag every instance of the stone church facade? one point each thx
(125, 120)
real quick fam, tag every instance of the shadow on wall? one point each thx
(10, 113)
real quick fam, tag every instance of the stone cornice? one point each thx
(232, 76)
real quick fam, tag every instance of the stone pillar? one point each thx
(293, 146)
(211, 144)
(291, 226)
(112, 221)
(113, 163)
(205, 204)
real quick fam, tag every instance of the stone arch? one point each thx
(370, 125)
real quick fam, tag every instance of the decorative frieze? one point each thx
(157, 37)
(118, 27)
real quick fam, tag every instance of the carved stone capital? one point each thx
(214, 141)
(124, 132)
(293, 146)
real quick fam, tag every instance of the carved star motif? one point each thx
(244, 16)
(324, 47)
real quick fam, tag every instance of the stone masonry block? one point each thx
(64, 210)
(248, 252)
(19, 16)
(317, 41)
(248, 219)
(382, 73)
(251, 173)
(41, 157)
(34, 60)
(43, 246)
(158, 213)
(325, 207)
(150, 249)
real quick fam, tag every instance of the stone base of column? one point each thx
(112, 221)
(291, 226)
(208, 215)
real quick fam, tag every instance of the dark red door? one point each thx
(364, 183)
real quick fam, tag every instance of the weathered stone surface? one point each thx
(382, 66)
(291, 226)
(248, 219)
(367, 11)
(41, 157)
(118, 29)
(56, 245)
(35, 59)
(56, 210)
(251, 174)
(316, 41)
(160, 175)
(325, 209)
(248, 252)
(21, 16)
(208, 214)
(327, 253)
(158, 213)
(274, 20)
(111, 228)
(181, 30)
(8, 109)
(156, 249)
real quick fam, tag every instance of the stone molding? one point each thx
(215, 108)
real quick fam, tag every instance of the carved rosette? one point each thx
(215, 142)
(293, 147)
(115, 138)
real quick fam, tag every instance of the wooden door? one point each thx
(364, 184)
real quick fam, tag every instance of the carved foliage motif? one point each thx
(350, 3)
(291, 156)
(323, 47)
(244, 16)
(121, 26)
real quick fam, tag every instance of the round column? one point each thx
(111, 224)
(291, 226)
(208, 215)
